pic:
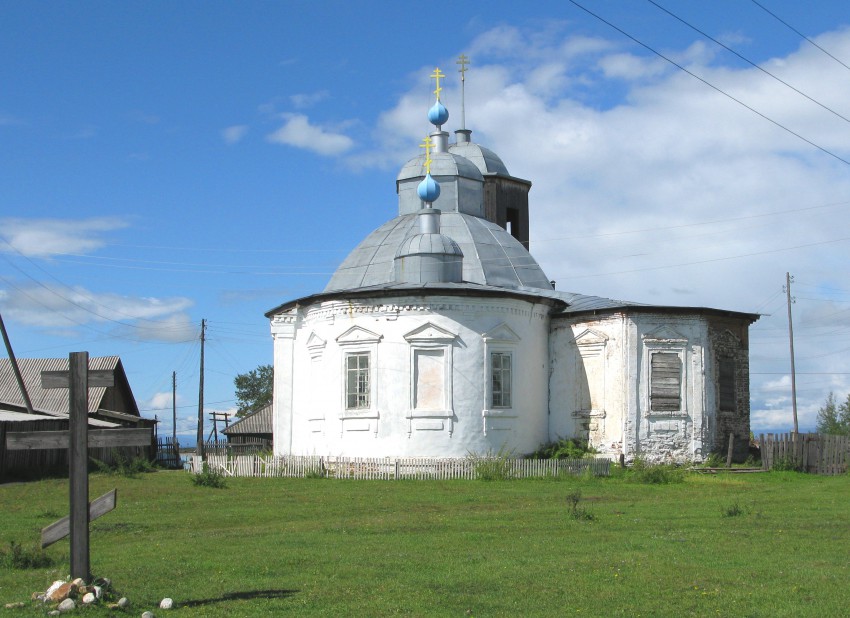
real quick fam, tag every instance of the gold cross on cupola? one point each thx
(427, 144)
(436, 75)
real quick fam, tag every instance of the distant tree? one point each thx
(834, 418)
(254, 389)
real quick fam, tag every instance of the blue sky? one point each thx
(164, 162)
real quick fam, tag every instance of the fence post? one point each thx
(730, 450)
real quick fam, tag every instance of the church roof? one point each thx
(491, 256)
(487, 161)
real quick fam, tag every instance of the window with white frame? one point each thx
(501, 371)
(357, 381)
(359, 397)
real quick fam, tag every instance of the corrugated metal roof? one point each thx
(53, 399)
(257, 422)
(23, 417)
(7, 416)
(491, 256)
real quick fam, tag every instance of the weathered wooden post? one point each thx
(78, 365)
(77, 439)
(730, 450)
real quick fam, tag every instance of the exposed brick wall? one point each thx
(729, 340)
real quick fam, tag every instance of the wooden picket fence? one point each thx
(230, 448)
(168, 452)
(807, 452)
(386, 468)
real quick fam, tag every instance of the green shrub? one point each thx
(20, 557)
(579, 513)
(715, 460)
(786, 464)
(123, 466)
(655, 474)
(314, 472)
(208, 477)
(493, 466)
(733, 510)
(564, 448)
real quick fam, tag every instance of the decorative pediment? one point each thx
(314, 341)
(430, 332)
(591, 337)
(665, 334)
(357, 334)
(315, 345)
(502, 332)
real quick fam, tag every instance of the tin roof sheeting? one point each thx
(256, 422)
(52, 399)
(491, 256)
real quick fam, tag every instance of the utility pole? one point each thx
(199, 447)
(174, 418)
(24, 394)
(788, 280)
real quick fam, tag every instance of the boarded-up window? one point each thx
(665, 393)
(500, 379)
(357, 381)
(726, 385)
(429, 379)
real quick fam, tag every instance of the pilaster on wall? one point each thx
(283, 329)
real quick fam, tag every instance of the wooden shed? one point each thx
(109, 408)
(252, 430)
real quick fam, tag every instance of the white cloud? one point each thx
(297, 131)
(173, 328)
(234, 134)
(305, 100)
(47, 237)
(61, 308)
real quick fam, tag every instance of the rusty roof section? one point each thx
(52, 399)
(256, 422)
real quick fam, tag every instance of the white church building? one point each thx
(440, 335)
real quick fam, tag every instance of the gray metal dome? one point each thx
(432, 244)
(487, 161)
(442, 164)
(491, 256)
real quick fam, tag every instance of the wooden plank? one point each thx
(78, 399)
(2, 451)
(97, 438)
(60, 529)
(62, 379)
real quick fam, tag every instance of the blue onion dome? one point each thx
(428, 189)
(438, 114)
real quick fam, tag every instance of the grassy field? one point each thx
(775, 544)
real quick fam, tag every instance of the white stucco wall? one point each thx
(600, 384)
(589, 381)
(458, 332)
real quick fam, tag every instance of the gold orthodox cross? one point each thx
(427, 144)
(437, 74)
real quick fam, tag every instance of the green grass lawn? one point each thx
(318, 547)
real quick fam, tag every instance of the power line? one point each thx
(793, 29)
(748, 61)
(709, 84)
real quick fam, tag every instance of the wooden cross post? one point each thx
(78, 439)
(76, 380)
